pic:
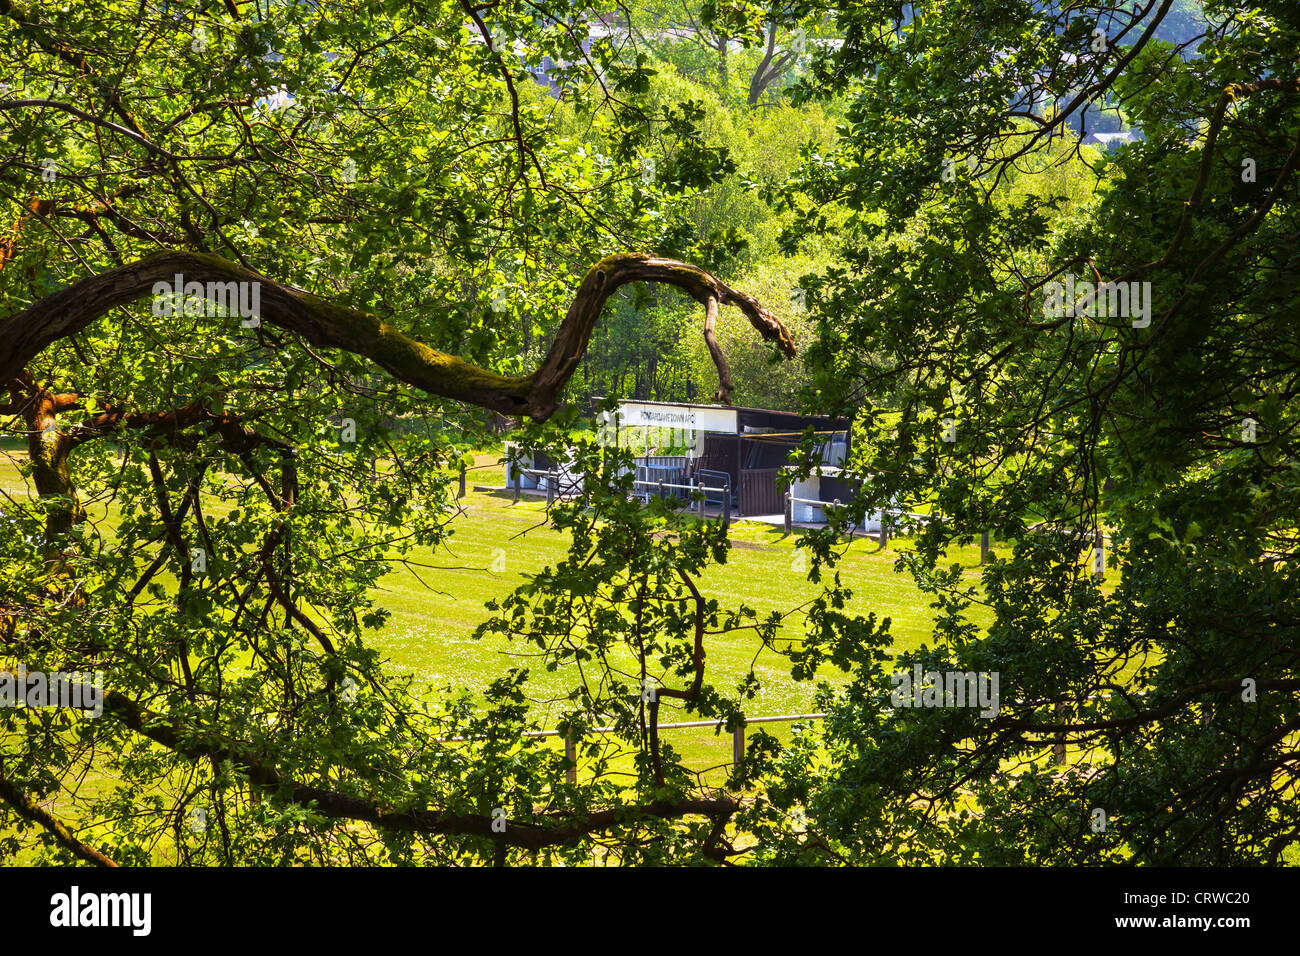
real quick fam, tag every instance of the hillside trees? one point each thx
(648, 346)
(741, 48)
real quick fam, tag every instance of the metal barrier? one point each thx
(700, 505)
(553, 482)
(721, 479)
(883, 534)
(553, 477)
(790, 500)
(1099, 537)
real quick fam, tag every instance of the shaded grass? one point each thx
(438, 599)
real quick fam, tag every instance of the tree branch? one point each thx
(330, 325)
(28, 809)
(342, 806)
(725, 387)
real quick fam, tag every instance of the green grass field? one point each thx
(434, 614)
(437, 603)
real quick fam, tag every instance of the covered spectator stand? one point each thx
(741, 449)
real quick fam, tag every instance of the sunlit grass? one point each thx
(438, 599)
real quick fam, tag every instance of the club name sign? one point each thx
(705, 418)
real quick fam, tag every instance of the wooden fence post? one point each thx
(462, 480)
(515, 478)
(738, 743)
(571, 755)
(884, 533)
(1058, 749)
(789, 512)
(984, 548)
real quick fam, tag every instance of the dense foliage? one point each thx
(213, 502)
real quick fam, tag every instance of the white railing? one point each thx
(737, 735)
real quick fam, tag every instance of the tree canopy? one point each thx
(449, 212)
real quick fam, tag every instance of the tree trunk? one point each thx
(759, 81)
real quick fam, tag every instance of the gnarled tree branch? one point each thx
(330, 325)
(554, 830)
(31, 810)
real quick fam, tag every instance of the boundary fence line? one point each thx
(555, 477)
(738, 734)
(1100, 538)
(882, 535)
